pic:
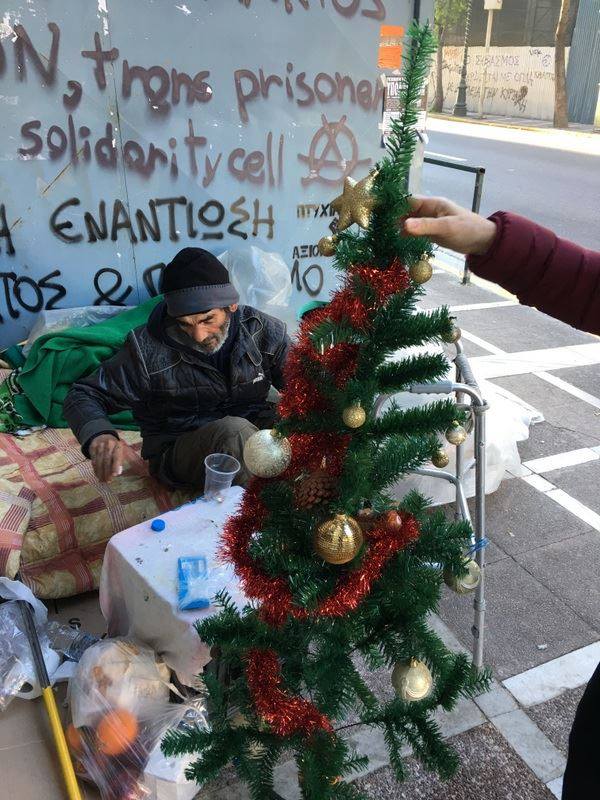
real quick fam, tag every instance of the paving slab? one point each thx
(519, 518)
(586, 378)
(490, 770)
(546, 761)
(446, 289)
(555, 717)
(570, 569)
(580, 481)
(560, 409)
(526, 623)
(516, 328)
(547, 440)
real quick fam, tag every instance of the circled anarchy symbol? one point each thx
(345, 165)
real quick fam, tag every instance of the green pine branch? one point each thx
(399, 375)
(436, 416)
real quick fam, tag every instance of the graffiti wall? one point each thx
(132, 129)
(519, 82)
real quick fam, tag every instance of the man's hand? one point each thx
(106, 454)
(450, 226)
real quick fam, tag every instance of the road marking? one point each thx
(570, 458)
(478, 306)
(539, 483)
(491, 348)
(568, 387)
(503, 364)
(443, 155)
(576, 508)
(551, 679)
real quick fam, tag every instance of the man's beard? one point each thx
(215, 341)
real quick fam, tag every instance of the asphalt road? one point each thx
(549, 176)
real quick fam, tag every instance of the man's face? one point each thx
(209, 329)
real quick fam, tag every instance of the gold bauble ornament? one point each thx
(440, 459)
(453, 336)
(338, 540)
(328, 245)
(356, 203)
(421, 272)
(267, 454)
(354, 416)
(464, 584)
(456, 434)
(412, 680)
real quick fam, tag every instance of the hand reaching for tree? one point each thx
(106, 454)
(449, 225)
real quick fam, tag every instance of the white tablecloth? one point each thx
(138, 585)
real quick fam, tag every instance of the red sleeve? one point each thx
(555, 275)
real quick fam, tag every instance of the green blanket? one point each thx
(57, 360)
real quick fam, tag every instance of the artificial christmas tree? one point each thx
(334, 569)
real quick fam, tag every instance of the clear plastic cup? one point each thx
(220, 470)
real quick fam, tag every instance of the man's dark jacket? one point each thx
(172, 389)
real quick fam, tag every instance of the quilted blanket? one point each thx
(56, 517)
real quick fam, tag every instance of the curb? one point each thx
(516, 126)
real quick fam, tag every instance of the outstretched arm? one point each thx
(555, 275)
(115, 386)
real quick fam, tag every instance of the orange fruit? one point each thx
(74, 739)
(116, 732)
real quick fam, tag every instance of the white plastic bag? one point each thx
(120, 711)
(124, 673)
(58, 319)
(18, 676)
(262, 279)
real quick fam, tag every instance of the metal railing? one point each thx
(479, 173)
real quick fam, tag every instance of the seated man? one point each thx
(196, 378)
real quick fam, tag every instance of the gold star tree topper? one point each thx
(356, 202)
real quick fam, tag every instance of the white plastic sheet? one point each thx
(507, 421)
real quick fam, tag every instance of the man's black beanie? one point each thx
(195, 281)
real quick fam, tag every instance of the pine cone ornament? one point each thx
(318, 487)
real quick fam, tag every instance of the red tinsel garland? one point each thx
(285, 714)
(341, 361)
(288, 715)
(300, 397)
(383, 541)
(384, 282)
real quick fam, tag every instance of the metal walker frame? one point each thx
(468, 398)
